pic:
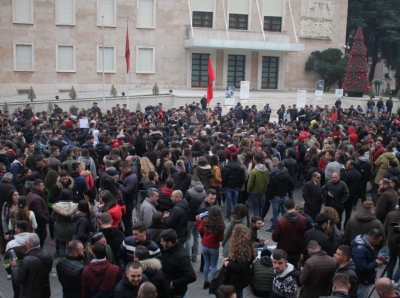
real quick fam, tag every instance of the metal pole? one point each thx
(190, 18)
(261, 21)
(294, 28)
(226, 23)
(104, 78)
(129, 72)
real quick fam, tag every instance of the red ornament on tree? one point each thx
(356, 79)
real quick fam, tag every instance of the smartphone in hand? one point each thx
(13, 255)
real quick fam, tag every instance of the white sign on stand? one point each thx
(83, 123)
(301, 98)
(244, 90)
(338, 93)
(230, 96)
(319, 88)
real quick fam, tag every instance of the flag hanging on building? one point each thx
(127, 52)
(211, 78)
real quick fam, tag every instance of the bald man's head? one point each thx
(384, 287)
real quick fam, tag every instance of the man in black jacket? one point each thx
(353, 182)
(346, 266)
(113, 235)
(177, 219)
(233, 177)
(335, 194)
(150, 153)
(34, 270)
(280, 186)
(69, 269)
(312, 195)
(318, 234)
(176, 264)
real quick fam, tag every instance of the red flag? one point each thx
(127, 52)
(211, 79)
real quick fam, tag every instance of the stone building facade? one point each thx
(53, 45)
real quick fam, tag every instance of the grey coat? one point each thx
(64, 223)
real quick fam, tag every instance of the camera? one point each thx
(396, 227)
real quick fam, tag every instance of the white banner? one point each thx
(244, 90)
(338, 93)
(319, 88)
(301, 98)
(230, 96)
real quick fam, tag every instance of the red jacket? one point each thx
(289, 232)
(353, 136)
(99, 279)
(211, 240)
(229, 150)
(116, 214)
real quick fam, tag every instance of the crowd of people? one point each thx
(128, 200)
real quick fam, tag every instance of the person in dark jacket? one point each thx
(312, 195)
(280, 186)
(100, 277)
(164, 201)
(33, 273)
(393, 170)
(17, 166)
(82, 226)
(318, 234)
(208, 202)
(182, 178)
(387, 201)
(204, 172)
(345, 265)
(176, 264)
(6, 187)
(131, 281)
(177, 219)
(233, 177)
(353, 182)
(140, 237)
(150, 153)
(64, 181)
(69, 270)
(140, 144)
(284, 284)
(37, 204)
(335, 194)
(341, 286)
(80, 181)
(156, 228)
(262, 275)
(313, 169)
(366, 260)
(317, 272)
(291, 165)
(113, 235)
(129, 189)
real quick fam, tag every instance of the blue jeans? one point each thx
(192, 230)
(363, 290)
(239, 293)
(231, 196)
(63, 248)
(257, 201)
(210, 259)
(277, 205)
(218, 200)
(392, 263)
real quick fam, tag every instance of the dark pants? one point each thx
(127, 218)
(374, 193)
(51, 223)
(218, 200)
(294, 258)
(267, 205)
(41, 231)
(348, 208)
(362, 193)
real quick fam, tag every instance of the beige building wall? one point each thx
(172, 59)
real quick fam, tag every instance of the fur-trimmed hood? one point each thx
(151, 264)
(67, 209)
(71, 183)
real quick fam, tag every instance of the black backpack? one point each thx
(162, 172)
(220, 277)
(363, 169)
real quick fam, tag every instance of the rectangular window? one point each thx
(273, 24)
(106, 13)
(65, 58)
(109, 59)
(236, 70)
(146, 14)
(238, 21)
(23, 57)
(269, 73)
(200, 70)
(22, 11)
(202, 19)
(145, 60)
(65, 12)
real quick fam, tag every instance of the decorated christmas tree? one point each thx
(356, 77)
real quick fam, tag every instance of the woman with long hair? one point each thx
(49, 182)
(89, 163)
(62, 214)
(334, 219)
(83, 226)
(108, 203)
(212, 228)
(240, 215)
(204, 172)
(241, 256)
(90, 196)
(216, 182)
(7, 212)
(97, 238)
(165, 162)
(114, 156)
(23, 213)
(146, 166)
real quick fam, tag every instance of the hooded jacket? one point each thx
(285, 283)
(182, 181)
(262, 274)
(152, 268)
(353, 136)
(321, 237)
(178, 219)
(69, 272)
(289, 232)
(58, 187)
(37, 204)
(386, 203)
(392, 172)
(258, 180)
(129, 187)
(147, 209)
(382, 162)
(205, 173)
(350, 270)
(280, 184)
(99, 279)
(195, 196)
(364, 258)
(361, 224)
(64, 223)
(164, 201)
(80, 184)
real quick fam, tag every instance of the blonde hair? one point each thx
(241, 248)
(146, 166)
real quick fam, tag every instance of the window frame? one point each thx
(202, 15)
(14, 12)
(200, 69)
(114, 25)
(15, 55)
(153, 26)
(57, 22)
(277, 72)
(270, 24)
(236, 62)
(99, 70)
(237, 21)
(73, 57)
(153, 70)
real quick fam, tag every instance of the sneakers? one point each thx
(270, 230)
